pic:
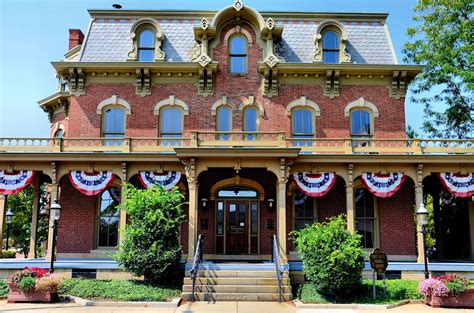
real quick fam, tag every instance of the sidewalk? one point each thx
(201, 307)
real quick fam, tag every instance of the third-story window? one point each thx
(250, 122)
(171, 125)
(113, 125)
(365, 217)
(302, 127)
(238, 55)
(224, 122)
(146, 46)
(330, 47)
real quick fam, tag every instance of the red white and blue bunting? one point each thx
(167, 180)
(383, 185)
(458, 184)
(12, 183)
(314, 185)
(91, 184)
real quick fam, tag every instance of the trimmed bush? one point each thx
(10, 254)
(332, 256)
(3, 289)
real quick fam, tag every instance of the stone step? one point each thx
(237, 274)
(236, 289)
(236, 281)
(200, 296)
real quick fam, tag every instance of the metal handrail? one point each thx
(197, 260)
(276, 260)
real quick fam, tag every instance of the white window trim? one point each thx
(171, 101)
(114, 101)
(361, 103)
(224, 101)
(303, 103)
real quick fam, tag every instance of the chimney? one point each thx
(76, 37)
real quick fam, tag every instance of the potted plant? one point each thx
(447, 291)
(33, 285)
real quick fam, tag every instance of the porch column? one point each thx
(350, 199)
(34, 218)
(53, 197)
(281, 220)
(123, 213)
(3, 209)
(192, 220)
(419, 236)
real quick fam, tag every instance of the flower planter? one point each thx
(464, 300)
(17, 295)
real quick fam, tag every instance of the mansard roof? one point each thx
(108, 38)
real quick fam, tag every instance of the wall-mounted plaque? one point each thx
(204, 223)
(270, 224)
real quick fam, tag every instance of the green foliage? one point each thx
(27, 284)
(151, 245)
(118, 290)
(3, 289)
(332, 257)
(10, 254)
(397, 290)
(442, 41)
(411, 133)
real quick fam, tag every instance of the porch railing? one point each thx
(207, 139)
(196, 261)
(279, 271)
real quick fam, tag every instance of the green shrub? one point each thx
(118, 290)
(151, 246)
(332, 257)
(27, 284)
(10, 254)
(3, 289)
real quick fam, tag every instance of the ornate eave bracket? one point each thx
(399, 84)
(270, 82)
(269, 33)
(77, 81)
(143, 82)
(332, 85)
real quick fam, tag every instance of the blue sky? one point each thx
(33, 33)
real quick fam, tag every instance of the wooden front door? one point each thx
(237, 227)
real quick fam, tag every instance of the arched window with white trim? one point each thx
(250, 122)
(171, 125)
(331, 47)
(113, 125)
(146, 45)
(302, 126)
(238, 46)
(224, 122)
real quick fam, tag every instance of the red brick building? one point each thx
(248, 108)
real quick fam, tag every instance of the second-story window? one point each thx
(113, 125)
(302, 127)
(171, 125)
(224, 122)
(330, 47)
(238, 55)
(146, 45)
(250, 122)
(360, 123)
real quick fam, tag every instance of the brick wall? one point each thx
(78, 216)
(334, 202)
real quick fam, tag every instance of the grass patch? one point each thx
(118, 290)
(397, 290)
(3, 289)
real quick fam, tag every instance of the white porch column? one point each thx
(3, 209)
(53, 196)
(123, 213)
(34, 218)
(350, 213)
(281, 220)
(418, 200)
(192, 219)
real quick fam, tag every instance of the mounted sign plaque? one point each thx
(378, 263)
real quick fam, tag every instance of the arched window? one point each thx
(109, 217)
(224, 122)
(59, 133)
(250, 122)
(171, 125)
(302, 127)
(304, 210)
(330, 47)
(361, 128)
(113, 125)
(365, 217)
(238, 55)
(146, 45)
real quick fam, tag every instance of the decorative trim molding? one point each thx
(114, 100)
(238, 30)
(341, 31)
(171, 101)
(361, 103)
(251, 102)
(236, 181)
(139, 25)
(303, 102)
(223, 101)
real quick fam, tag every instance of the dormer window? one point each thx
(238, 55)
(146, 45)
(330, 48)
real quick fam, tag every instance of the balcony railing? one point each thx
(210, 139)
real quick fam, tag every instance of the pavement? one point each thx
(201, 307)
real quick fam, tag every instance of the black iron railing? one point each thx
(279, 271)
(197, 260)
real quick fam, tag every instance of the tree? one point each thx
(151, 246)
(442, 40)
(411, 133)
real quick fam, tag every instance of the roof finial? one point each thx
(238, 5)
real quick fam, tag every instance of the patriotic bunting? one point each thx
(167, 180)
(91, 184)
(458, 184)
(314, 185)
(13, 183)
(383, 185)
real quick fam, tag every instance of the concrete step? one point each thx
(238, 289)
(236, 281)
(237, 274)
(200, 296)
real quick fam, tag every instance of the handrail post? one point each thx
(194, 139)
(196, 261)
(416, 146)
(282, 139)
